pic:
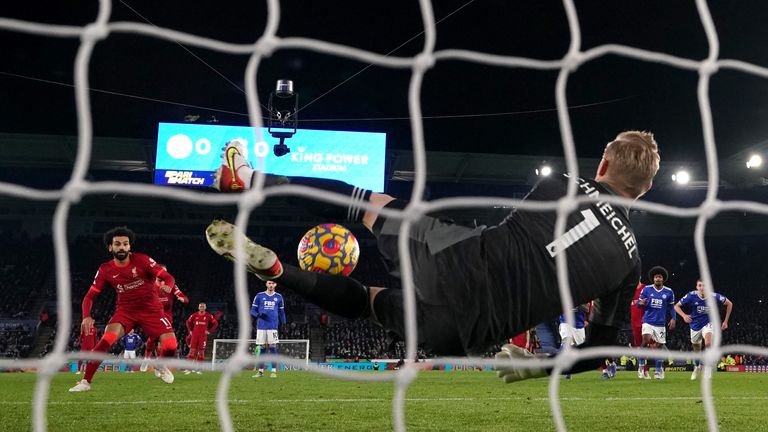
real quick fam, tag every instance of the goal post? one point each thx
(293, 348)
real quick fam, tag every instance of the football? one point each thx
(328, 248)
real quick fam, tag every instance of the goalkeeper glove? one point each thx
(512, 374)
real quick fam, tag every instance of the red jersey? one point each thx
(166, 299)
(197, 323)
(134, 283)
(636, 312)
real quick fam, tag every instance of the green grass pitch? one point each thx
(437, 401)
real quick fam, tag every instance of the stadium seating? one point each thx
(27, 265)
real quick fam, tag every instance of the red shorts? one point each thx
(153, 322)
(637, 335)
(198, 342)
(170, 320)
(168, 314)
(87, 346)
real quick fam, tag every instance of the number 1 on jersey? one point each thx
(574, 234)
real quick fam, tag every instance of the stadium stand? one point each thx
(26, 281)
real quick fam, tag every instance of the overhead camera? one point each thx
(283, 110)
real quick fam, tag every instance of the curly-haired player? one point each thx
(658, 301)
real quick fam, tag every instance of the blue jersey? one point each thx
(699, 309)
(657, 305)
(131, 342)
(580, 318)
(269, 310)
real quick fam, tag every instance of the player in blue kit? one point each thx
(131, 342)
(269, 310)
(576, 333)
(698, 319)
(658, 301)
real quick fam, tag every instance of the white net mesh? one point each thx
(78, 186)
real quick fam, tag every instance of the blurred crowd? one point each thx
(27, 282)
(361, 340)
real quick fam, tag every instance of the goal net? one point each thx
(234, 356)
(291, 348)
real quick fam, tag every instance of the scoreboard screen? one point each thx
(188, 154)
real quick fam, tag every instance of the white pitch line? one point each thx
(131, 402)
(380, 400)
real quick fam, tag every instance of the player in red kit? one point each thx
(197, 325)
(167, 295)
(86, 341)
(522, 340)
(132, 276)
(636, 319)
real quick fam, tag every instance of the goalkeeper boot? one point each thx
(259, 260)
(81, 386)
(234, 174)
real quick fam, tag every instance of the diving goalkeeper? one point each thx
(478, 286)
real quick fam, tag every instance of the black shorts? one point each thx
(436, 326)
(444, 317)
(429, 238)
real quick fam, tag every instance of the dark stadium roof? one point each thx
(139, 81)
(486, 127)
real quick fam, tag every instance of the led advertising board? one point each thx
(188, 154)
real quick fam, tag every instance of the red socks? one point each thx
(167, 347)
(92, 366)
(151, 343)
